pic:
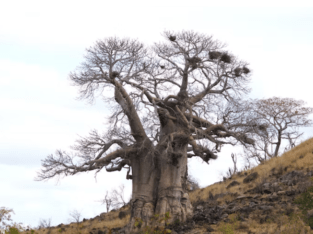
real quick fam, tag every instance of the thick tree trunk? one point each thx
(160, 185)
(277, 144)
(172, 192)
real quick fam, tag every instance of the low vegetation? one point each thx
(298, 158)
(293, 219)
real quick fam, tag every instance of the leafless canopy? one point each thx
(107, 201)
(44, 223)
(190, 79)
(115, 199)
(280, 119)
(75, 216)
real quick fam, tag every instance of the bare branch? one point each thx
(200, 151)
(127, 105)
(64, 165)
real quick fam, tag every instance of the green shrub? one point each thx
(226, 228)
(12, 230)
(305, 202)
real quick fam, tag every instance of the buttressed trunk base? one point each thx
(160, 185)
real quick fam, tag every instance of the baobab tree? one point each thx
(162, 99)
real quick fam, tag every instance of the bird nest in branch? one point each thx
(114, 74)
(226, 58)
(237, 71)
(172, 38)
(262, 127)
(214, 54)
(194, 60)
(245, 70)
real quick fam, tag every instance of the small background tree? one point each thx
(118, 197)
(279, 120)
(115, 199)
(44, 223)
(5, 217)
(234, 170)
(107, 201)
(193, 183)
(75, 216)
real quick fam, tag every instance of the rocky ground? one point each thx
(250, 212)
(262, 204)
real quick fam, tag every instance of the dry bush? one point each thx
(75, 216)
(44, 223)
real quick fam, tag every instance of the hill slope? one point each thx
(274, 197)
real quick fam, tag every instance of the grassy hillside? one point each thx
(102, 223)
(290, 220)
(298, 158)
(278, 199)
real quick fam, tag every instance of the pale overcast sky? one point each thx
(42, 41)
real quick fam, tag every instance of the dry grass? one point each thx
(110, 220)
(276, 224)
(287, 162)
(298, 158)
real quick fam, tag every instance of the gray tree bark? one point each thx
(159, 178)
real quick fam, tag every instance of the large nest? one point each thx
(172, 38)
(245, 70)
(237, 71)
(263, 127)
(226, 58)
(194, 60)
(214, 54)
(114, 74)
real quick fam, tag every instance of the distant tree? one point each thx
(248, 164)
(107, 200)
(118, 197)
(279, 119)
(44, 223)
(5, 216)
(115, 199)
(233, 171)
(193, 183)
(164, 102)
(75, 216)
